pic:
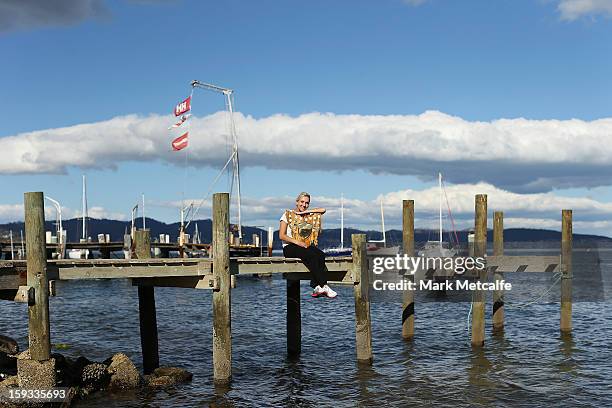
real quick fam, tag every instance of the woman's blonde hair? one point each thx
(302, 194)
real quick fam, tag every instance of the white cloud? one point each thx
(15, 212)
(516, 154)
(11, 212)
(574, 9)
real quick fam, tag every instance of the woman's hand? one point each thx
(300, 243)
(312, 211)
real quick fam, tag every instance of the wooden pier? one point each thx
(28, 282)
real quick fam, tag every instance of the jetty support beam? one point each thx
(294, 318)
(408, 246)
(480, 248)
(566, 270)
(39, 370)
(146, 309)
(222, 324)
(498, 276)
(363, 322)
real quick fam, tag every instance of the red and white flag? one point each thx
(182, 120)
(180, 142)
(183, 107)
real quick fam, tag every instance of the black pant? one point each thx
(313, 258)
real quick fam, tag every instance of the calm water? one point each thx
(529, 365)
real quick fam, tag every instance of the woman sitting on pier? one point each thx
(299, 230)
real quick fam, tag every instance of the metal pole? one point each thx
(144, 223)
(12, 249)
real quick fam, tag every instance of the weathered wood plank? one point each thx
(498, 250)
(38, 313)
(529, 263)
(335, 277)
(194, 282)
(408, 247)
(480, 249)
(289, 267)
(363, 322)
(566, 278)
(222, 315)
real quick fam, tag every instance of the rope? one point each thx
(525, 304)
(209, 190)
(231, 157)
(469, 316)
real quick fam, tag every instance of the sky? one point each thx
(368, 100)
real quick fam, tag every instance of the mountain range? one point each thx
(329, 237)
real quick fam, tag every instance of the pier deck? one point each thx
(29, 282)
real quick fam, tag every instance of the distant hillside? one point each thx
(329, 237)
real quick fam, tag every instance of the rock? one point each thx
(24, 355)
(10, 381)
(8, 345)
(123, 373)
(36, 374)
(166, 376)
(95, 376)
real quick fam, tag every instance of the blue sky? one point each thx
(541, 64)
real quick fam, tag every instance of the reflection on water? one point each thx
(528, 364)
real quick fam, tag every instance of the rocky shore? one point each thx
(80, 375)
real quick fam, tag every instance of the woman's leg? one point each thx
(321, 261)
(311, 259)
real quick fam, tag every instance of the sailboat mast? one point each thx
(144, 223)
(382, 216)
(342, 221)
(440, 187)
(84, 208)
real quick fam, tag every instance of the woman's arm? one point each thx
(313, 210)
(282, 234)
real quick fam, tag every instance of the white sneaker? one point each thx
(318, 291)
(329, 292)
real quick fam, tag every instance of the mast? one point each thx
(144, 223)
(228, 93)
(382, 217)
(84, 208)
(235, 162)
(134, 213)
(342, 221)
(440, 187)
(12, 249)
(22, 245)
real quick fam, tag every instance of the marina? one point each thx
(29, 282)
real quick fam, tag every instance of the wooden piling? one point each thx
(105, 252)
(38, 313)
(222, 329)
(408, 246)
(498, 250)
(363, 323)
(146, 309)
(566, 265)
(480, 248)
(294, 318)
